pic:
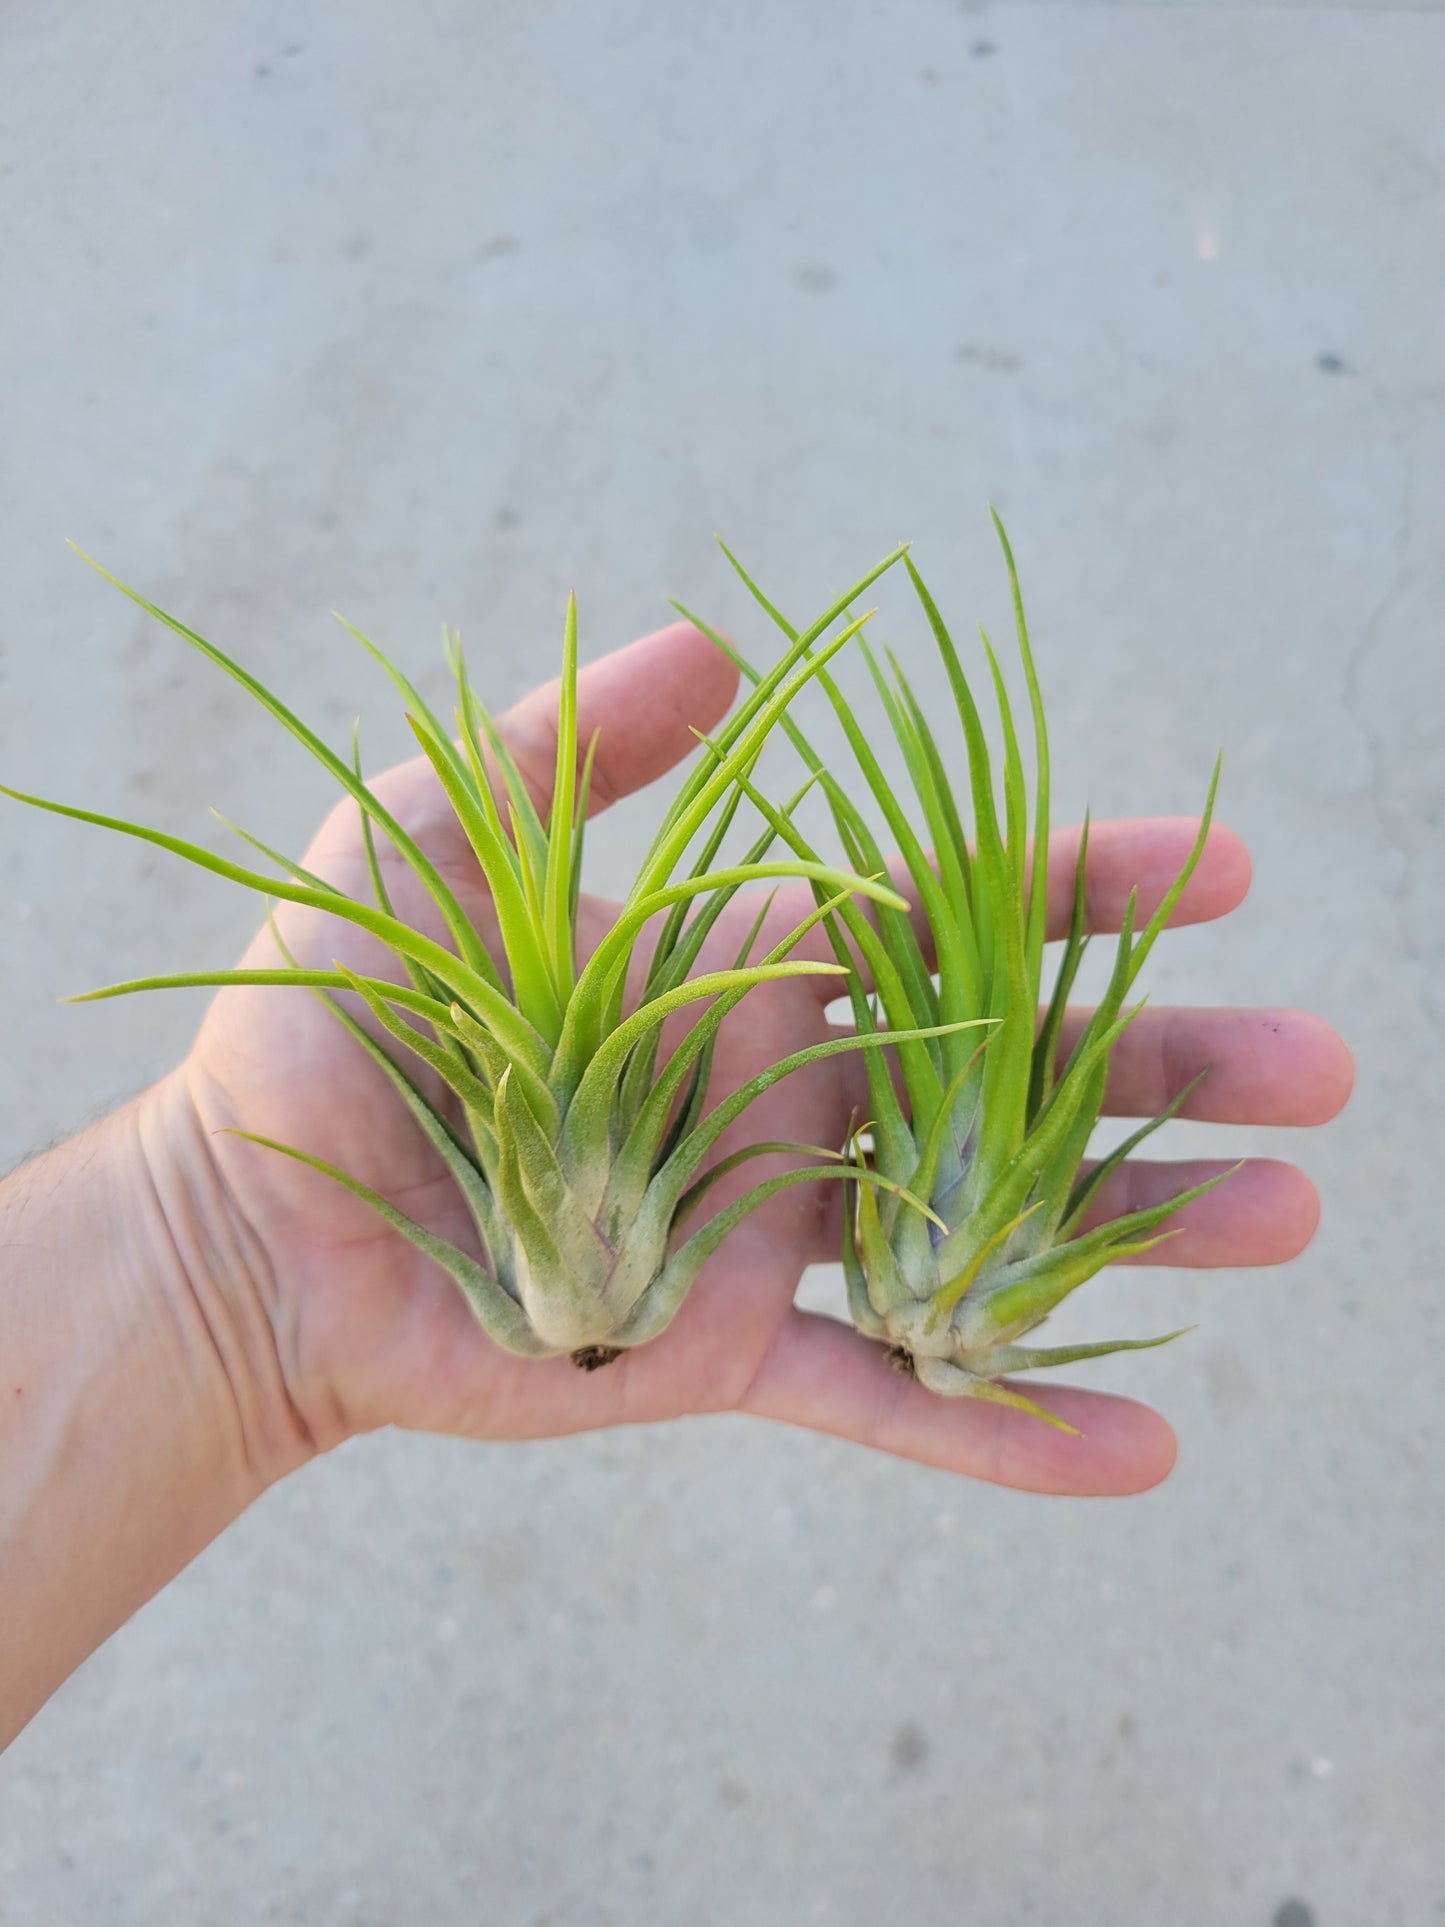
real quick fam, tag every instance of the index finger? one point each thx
(644, 703)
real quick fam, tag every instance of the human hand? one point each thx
(368, 1332)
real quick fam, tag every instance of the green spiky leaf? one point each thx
(996, 1135)
(578, 1150)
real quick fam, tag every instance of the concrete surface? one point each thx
(430, 312)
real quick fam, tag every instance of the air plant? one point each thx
(581, 1150)
(992, 1134)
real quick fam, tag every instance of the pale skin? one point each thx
(186, 1318)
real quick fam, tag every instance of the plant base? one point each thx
(591, 1358)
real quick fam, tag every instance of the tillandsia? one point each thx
(581, 1148)
(992, 1133)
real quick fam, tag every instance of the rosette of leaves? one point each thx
(582, 1151)
(992, 1134)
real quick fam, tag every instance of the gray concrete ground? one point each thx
(430, 312)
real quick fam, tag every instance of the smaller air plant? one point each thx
(582, 1153)
(989, 1133)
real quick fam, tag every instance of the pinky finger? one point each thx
(821, 1374)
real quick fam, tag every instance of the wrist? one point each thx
(140, 1409)
(204, 1262)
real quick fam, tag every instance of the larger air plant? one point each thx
(581, 1149)
(992, 1134)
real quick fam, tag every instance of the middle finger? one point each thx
(1263, 1066)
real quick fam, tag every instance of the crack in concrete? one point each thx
(1353, 705)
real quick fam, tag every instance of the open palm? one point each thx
(370, 1332)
